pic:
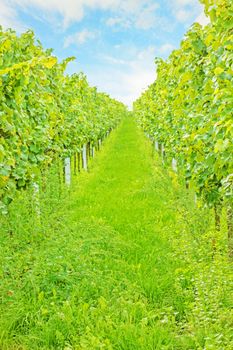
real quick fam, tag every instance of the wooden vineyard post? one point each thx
(156, 145)
(174, 165)
(67, 170)
(84, 157)
(163, 153)
(195, 198)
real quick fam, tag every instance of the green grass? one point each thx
(121, 261)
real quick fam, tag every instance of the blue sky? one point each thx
(115, 41)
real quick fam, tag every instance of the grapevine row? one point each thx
(188, 110)
(44, 113)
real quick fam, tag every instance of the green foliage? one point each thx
(123, 261)
(189, 106)
(44, 113)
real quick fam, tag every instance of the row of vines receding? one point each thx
(44, 112)
(188, 110)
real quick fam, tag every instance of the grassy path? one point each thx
(105, 274)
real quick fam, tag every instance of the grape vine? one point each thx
(44, 112)
(189, 107)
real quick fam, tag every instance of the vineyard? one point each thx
(188, 110)
(116, 227)
(45, 114)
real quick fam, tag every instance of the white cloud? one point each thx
(9, 17)
(185, 2)
(114, 60)
(70, 10)
(73, 11)
(183, 15)
(166, 49)
(79, 38)
(112, 21)
(188, 11)
(147, 17)
(118, 21)
(142, 16)
(128, 78)
(124, 79)
(124, 86)
(185, 11)
(202, 19)
(140, 13)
